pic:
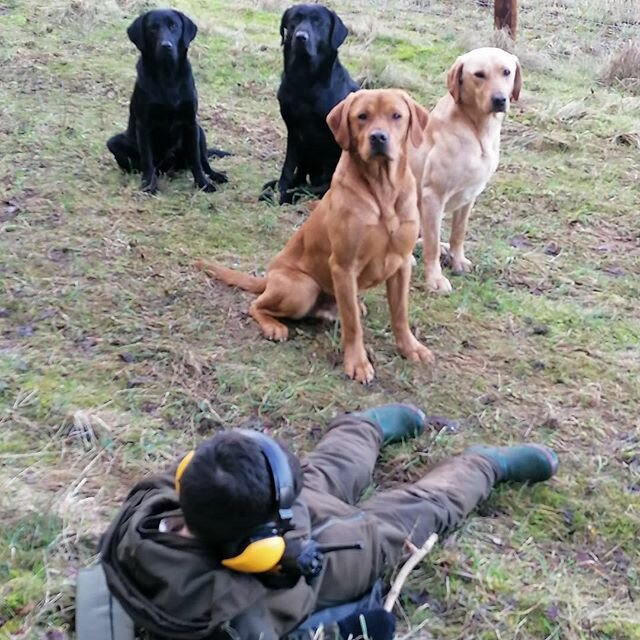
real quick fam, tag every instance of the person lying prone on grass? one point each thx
(237, 539)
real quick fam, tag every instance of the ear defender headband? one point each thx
(184, 463)
(265, 545)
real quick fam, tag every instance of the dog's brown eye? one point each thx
(362, 116)
(479, 74)
(396, 116)
(506, 72)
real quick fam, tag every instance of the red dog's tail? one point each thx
(231, 277)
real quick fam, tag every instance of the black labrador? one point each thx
(163, 134)
(313, 82)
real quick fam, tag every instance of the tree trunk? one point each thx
(506, 15)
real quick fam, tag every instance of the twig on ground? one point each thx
(407, 568)
(412, 632)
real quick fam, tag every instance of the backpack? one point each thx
(99, 615)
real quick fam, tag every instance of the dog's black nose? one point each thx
(302, 36)
(166, 44)
(499, 103)
(378, 138)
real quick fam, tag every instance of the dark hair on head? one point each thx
(227, 489)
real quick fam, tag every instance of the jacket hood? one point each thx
(167, 583)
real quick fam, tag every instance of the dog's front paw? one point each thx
(207, 187)
(359, 369)
(267, 196)
(276, 332)
(150, 186)
(438, 283)
(286, 197)
(415, 351)
(460, 265)
(219, 177)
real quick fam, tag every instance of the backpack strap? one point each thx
(99, 616)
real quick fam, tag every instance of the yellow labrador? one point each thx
(461, 151)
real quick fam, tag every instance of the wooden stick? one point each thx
(505, 16)
(407, 568)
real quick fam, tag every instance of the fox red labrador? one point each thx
(359, 235)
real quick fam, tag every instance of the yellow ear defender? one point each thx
(265, 546)
(184, 463)
(258, 557)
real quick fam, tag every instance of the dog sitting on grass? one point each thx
(461, 152)
(163, 134)
(313, 82)
(359, 235)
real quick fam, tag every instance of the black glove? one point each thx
(377, 624)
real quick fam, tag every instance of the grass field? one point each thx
(115, 356)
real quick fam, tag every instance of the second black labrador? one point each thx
(313, 82)
(163, 134)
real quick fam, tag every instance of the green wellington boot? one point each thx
(396, 421)
(522, 463)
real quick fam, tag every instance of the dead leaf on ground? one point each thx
(551, 612)
(25, 330)
(628, 139)
(440, 422)
(552, 249)
(540, 330)
(10, 211)
(520, 242)
(615, 272)
(54, 634)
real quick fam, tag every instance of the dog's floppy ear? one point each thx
(283, 24)
(338, 31)
(136, 31)
(517, 81)
(419, 117)
(454, 80)
(338, 122)
(189, 29)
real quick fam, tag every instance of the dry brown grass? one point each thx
(622, 69)
(606, 11)
(532, 58)
(86, 14)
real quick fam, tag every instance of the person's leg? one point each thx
(436, 503)
(342, 464)
(449, 492)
